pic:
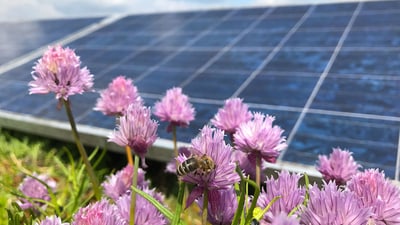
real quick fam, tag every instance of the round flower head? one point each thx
(380, 194)
(221, 207)
(210, 144)
(246, 162)
(340, 166)
(117, 97)
(284, 219)
(286, 186)
(59, 71)
(259, 137)
(331, 206)
(145, 212)
(120, 183)
(174, 108)
(234, 113)
(98, 213)
(136, 130)
(35, 190)
(51, 220)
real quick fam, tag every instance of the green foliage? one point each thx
(21, 158)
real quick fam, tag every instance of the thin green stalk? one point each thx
(82, 150)
(258, 169)
(133, 195)
(242, 192)
(179, 205)
(174, 140)
(205, 208)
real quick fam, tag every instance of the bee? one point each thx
(197, 164)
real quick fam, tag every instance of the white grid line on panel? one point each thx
(321, 79)
(272, 54)
(226, 48)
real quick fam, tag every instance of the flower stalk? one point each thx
(133, 195)
(205, 208)
(258, 170)
(82, 150)
(129, 155)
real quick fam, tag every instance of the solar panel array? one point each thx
(329, 73)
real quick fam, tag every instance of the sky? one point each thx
(25, 10)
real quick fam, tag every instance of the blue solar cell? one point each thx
(189, 60)
(10, 90)
(22, 73)
(97, 119)
(250, 12)
(148, 58)
(101, 80)
(314, 39)
(299, 61)
(373, 38)
(367, 62)
(258, 38)
(290, 10)
(80, 104)
(176, 40)
(214, 14)
(350, 95)
(381, 5)
(370, 140)
(29, 104)
(235, 60)
(339, 8)
(293, 90)
(197, 25)
(111, 56)
(214, 85)
(215, 40)
(23, 37)
(234, 24)
(380, 19)
(326, 22)
(274, 24)
(151, 83)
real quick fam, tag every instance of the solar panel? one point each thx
(329, 72)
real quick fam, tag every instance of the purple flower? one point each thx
(174, 108)
(284, 219)
(331, 206)
(120, 184)
(51, 220)
(222, 206)
(259, 137)
(145, 212)
(210, 143)
(136, 130)
(378, 193)
(171, 166)
(246, 162)
(98, 213)
(340, 166)
(34, 190)
(117, 97)
(234, 113)
(59, 71)
(286, 186)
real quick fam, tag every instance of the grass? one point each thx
(22, 154)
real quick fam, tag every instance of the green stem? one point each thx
(82, 151)
(133, 195)
(174, 140)
(205, 208)
(258, 169)
(179, 205)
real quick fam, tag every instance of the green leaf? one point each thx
(156, 204)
